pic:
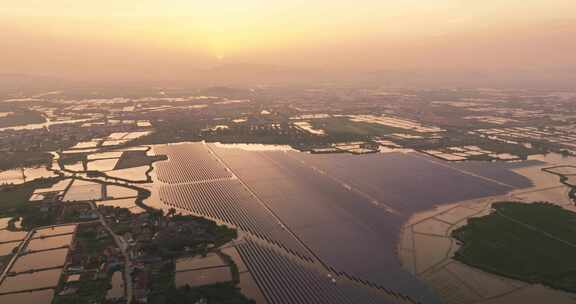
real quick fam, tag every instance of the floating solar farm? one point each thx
(321, 228)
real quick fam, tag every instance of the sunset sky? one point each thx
(130, 37)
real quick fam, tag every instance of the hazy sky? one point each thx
(127, 38)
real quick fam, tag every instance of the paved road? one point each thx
(122, 246)
(23, 245)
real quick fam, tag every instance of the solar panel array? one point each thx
(189, 163)
(229, 202)
(284, 269)
(284, 280)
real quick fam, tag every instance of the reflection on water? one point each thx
(553, 158)
(9, 236)
(135, 174)
(120, 192)
(255, 147)
(46, 124)
(341, 222)
(54, 231)
(120, 203)
(4, 222)
(35, 297)
(49, 243)
(40, 260)
(22, 175)
(7, 248)
(394, 150)
(28, 281)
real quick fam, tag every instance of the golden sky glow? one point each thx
(297, 32)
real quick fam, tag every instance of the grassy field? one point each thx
(344, 128)
(222, 293)
(534, 242)
(21, 116)
(89, 291)
(14, 198)
(9, 160)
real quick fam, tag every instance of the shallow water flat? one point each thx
(49, 243)
(4, 222)
(102, 165)
(10, 236)
(7, 248)
(35, 297)
(83, 193)
(19, 176)
(28, 281)
(136, 174)
(121, 203)
(54, 231)
(115, 192)
(104, 155)
(40, 260)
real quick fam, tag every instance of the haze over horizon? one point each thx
(131, 41)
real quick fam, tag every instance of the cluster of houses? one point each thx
(87, 262)
(153, 240)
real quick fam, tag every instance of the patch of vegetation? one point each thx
(121, 228)
(92, 240)
(89, 291)
(20, 116)
(14, 202)
(343, 129)
(194, 234)
(535, 243)
(222, 293)
(162, 277)
(17, 159)
(564, 180)
(72, 158)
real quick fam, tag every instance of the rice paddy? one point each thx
(49, 243)
(67, 229)
(34, 297)
(30, 281)
(7, 248)
(11, 236)
(136, 174)
(40, 260)
(36, 270)
(83, 191)
(19, 176)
